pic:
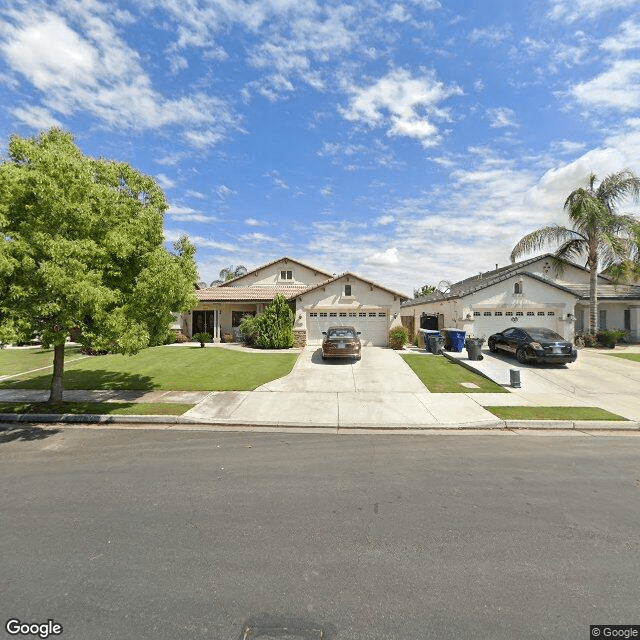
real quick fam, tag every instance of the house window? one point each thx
(313, 314)
(372, 314)
(530, 313)
(236, 317)
(517, 287)
(540, 313)
(519, 313)
(580, 320)
(343, 314)
(508, 313)
(362, 314)
(487, 313)
(602, 319)
(286, 275)
(498, 313)
(382, 314)
(352, 314)
(323, 314)
(476, 313)
(333, 314)
(551, 313)
(347, 289)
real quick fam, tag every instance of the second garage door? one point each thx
(372, 325)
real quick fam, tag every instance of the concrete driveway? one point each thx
(595, 379)
(379, 391)
(379, 371)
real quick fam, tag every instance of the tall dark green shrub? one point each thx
(275, 325)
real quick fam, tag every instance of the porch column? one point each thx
(216, 325)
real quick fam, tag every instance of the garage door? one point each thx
(372, 325)
(488, 322)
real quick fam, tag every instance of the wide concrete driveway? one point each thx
(379, 371)
(596, 379)
(378, 391)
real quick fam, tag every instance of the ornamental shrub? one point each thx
(611, 337)
(275, 325)
(202, 337)
(398, 337)
(249, 327)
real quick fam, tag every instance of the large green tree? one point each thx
(81, 245)
(598, 234)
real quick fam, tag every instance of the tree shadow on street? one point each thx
(24, 432)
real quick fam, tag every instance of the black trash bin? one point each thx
(436, 343)
(474, 348)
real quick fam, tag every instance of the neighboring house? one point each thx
(529, 293)
(319, 299)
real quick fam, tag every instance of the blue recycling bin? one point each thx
(457, 339)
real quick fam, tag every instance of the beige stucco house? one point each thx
(318, 298)
(529, 293)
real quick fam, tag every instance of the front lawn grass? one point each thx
(102, 408)
(14, 361)
(626, 356)
(168, 368)
(441, 375)
(553, 413)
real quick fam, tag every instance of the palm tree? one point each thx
(605, 237)
(229, 273)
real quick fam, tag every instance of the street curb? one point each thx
(179, 421)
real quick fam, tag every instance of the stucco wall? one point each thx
(364, 296)
(270, 276)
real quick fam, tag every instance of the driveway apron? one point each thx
(380, 390)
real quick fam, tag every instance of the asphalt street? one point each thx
(169, 535)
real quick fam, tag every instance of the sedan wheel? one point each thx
(492, 346)
(521, 356)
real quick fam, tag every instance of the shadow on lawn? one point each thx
(88, 379)
(25, 433)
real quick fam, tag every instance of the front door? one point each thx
(204, 321)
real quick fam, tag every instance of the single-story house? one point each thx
(318, 298)
(532, 293)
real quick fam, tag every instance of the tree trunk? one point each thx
(593, 299)
(58, 368)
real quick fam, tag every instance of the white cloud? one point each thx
(385, 220)
(386, 257)
(617, 88)
(79, 63)
(402, 103)
(224, 192)
(253, 222)
(258, 238)
(572, 10)
(171, 235)
(164, 181)
(187, 214)
(36, 117)
(501, 117)
(490, 36)
(627, 38)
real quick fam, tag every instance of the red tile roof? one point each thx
(248, 294)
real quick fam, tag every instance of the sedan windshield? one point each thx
(544, 334)
(341, 333)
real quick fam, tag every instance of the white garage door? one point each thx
(489, 322)
(372, 325)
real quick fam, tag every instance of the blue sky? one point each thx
(409, 142)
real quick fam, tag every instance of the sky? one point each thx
(410, 142)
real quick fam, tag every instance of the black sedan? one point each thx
(534, 344)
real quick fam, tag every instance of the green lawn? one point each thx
(627, 356)
(14, 361)
(106, 408)
(188, 368)
(553, 413)
(441, 375)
